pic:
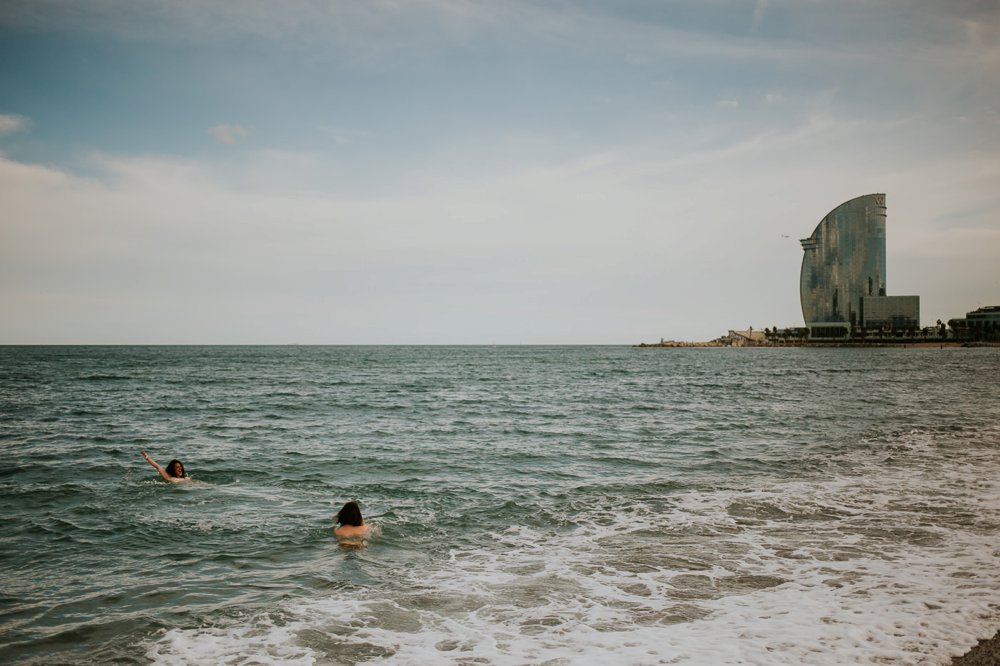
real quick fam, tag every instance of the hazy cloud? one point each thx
(758, 14)
(620, 246)
(452, 171)
(228, 134)
(12, 123)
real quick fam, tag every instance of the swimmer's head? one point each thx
(175, 468)
(350, 515)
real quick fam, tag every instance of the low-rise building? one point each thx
(890, 313)
(982, 324)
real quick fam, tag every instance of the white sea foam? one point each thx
(891, 563)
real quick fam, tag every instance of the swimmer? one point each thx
(174, 473)
(350, 524)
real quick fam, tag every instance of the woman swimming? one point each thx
(350, 524)
(174, 473)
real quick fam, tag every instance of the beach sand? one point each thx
(984, 653)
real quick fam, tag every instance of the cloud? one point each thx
(228, 134)
(758, 14)
(370, 30)
(12, 123)
(646, 240)
(383, 31)
(649, 201)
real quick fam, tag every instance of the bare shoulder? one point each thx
(347, 531)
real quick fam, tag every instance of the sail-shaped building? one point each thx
(843, 281)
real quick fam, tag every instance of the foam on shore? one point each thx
(895, 565)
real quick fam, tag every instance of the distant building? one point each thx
(890, 312)
(748, 338)
(982, 324)
(842, 285)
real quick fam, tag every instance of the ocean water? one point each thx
(533, 505)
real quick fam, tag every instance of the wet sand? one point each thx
(984, 653)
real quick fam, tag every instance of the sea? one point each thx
(530, 505)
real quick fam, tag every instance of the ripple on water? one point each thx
(535, 504)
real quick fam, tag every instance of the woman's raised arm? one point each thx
(159, 469)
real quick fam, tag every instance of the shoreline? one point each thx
(950, 344)
(984, 653)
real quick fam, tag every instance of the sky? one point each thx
(460, 172)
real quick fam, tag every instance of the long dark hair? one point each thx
(175, 466)
(350, 515)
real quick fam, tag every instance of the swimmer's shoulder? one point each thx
(347, 531)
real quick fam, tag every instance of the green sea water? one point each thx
(553, 505)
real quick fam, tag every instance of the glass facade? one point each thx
(844, 262)
(890, 312)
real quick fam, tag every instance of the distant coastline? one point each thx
(723, 342)
(934, 336)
